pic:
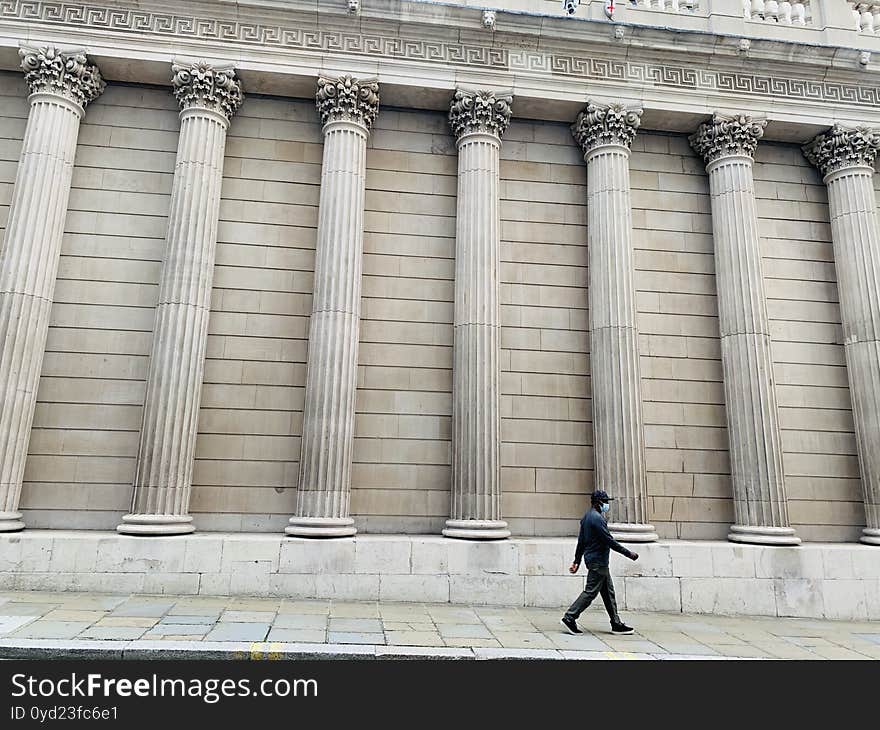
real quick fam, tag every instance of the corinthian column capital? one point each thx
(65, 73)
(841, 147)
(728, 136)
(602, 124)
(480, 111)
(203, 86)
(347, 99)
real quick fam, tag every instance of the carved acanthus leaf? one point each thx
(66, 73)
(727, 136)
(205, 86)
(842, 147)
(480, 111)
(348, 99)
(601, 124)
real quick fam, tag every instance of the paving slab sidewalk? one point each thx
(76, 625)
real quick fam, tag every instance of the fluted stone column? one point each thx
(478, 120)
(62, 83)
(605, 134)
(348, 107)
(845, 157)
(208, 97)
(728, 144)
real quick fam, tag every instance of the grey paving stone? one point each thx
(313, 607)
(163, 629)
(206, 619)
(308, 636)
(112, 633)
(414, 638)
(93, 602)
(519, 640)
(139, 608)
(356, 625)
(635, 645)
(51, 630)
(584, 642)
(300, 621)
(243, 631)
(352, 609)
(8, 624)
(464, 631)
(27, 609)
(349, 637)
(257, 617)
(875, 638)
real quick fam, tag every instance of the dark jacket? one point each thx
(595, 541)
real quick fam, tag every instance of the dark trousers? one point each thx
(598, 582)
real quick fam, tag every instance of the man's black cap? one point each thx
(598, 497)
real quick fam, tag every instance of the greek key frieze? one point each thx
(433, 51)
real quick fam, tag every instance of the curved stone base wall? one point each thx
(814, 580)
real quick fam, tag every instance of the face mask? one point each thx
(605, 507)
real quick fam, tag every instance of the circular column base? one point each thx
(763, 535)
(11, 522)
(156, 525)
(320, 527)
(476, 529)
(632, 532)
(870, 535)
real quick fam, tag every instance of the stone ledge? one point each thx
(835, 581)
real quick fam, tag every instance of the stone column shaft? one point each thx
(163, 472)
(728, 145)
(605, 134)
(62, 84)
(478, 120)
(845, 157)
(348, 108)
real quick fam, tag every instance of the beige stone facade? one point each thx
(82, 453)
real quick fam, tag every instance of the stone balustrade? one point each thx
(771, 11)
(866, 17)
(668, 6)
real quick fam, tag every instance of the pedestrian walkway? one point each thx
(38, 624)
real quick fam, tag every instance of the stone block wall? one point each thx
(815, 412)
(546, 427)
(250, 421)
(84, 439)
(13, 117)
(402, 453)
(689, 486)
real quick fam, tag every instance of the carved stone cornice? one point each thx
(842, 147)
(201, 85)
(726, 136)
(480, 111)
(601, 124)
(65, 73)
(348, 99)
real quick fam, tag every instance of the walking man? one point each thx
(594, 545)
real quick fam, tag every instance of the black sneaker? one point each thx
(571, 625)
(622, 629)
